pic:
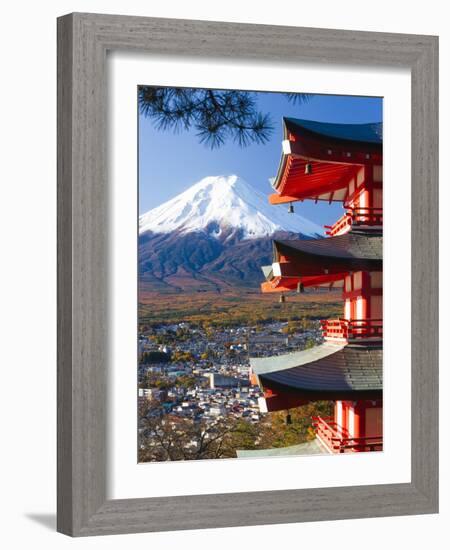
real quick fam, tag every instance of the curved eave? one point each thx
(325, 370)
(328, 181)
(306, 266)
(267, 365)
(282, 398)
(360, 135)
(333, 158)
(313, 447)
(297, 396)
(322, 262)
(289, 284)
(354, 245)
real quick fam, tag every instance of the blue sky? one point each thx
(169, 163)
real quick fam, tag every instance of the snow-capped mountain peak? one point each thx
(224, 203)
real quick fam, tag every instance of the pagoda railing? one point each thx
(355, 216)
(367, 216)
(349, 329)
(341, 226)
(338, 440)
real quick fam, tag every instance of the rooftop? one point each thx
(325, 261)
(320, 159)
(324, 369)
(354, 244)
(363, 133)
(313, 447)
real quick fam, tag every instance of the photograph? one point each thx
(260, 262)
(226, 223)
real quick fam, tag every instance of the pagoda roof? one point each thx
(313, 447)
(361, 245)
(371, 132)
(268, 365)
(326, 371)
(322, 262)
(334, 152)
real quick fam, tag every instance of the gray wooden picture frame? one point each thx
(83, 41)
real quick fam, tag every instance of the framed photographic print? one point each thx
(247, 274)
(216, 351)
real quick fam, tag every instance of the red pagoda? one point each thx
(332, 162)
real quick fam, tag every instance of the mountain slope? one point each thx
(217, 202)
(214, 236)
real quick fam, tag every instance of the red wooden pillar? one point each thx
(359, 422)
(365, 293)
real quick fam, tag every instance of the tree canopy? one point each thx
(216, 115)
(168, 437)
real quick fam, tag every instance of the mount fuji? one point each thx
(213, 236)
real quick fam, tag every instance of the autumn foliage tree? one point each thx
(172, 438)
(168, 437)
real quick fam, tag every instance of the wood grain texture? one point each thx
(83, 40)
(424, 277)
(64, 354)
